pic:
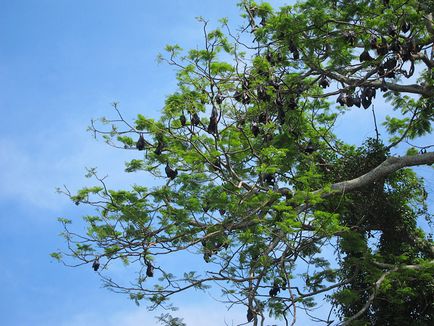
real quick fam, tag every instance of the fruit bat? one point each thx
(219, 98)
(281, 115)
(342, 98)
(245, 84)
(350, 37)
(183, 120)
(96, 264)
(292, 47)
(149, 270)
(395, 46)
(392, 30)
(160, 147)
(195, 120)
(382, 48)
(250, 315)
(292, 104)
(261, 92)
(405, 27)
(269, 179)
(310, 148)
(373, 43)
(357, 101)
(255, 129)
(365, 56)
(275, 290)
(207, 257)
(242, 97)
(323, 82)
(170, 173)
(390, 63)
(263, 117)
(278, 100)
(212, 126)
(140, 145)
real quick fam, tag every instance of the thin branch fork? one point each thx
(371, 297)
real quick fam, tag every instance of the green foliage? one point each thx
(250, 172)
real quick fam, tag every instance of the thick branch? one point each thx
(425, 91)
(386, 168)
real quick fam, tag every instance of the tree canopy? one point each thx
(256, 181)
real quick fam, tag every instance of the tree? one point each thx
(255, 180)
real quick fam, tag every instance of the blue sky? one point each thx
(61, 64)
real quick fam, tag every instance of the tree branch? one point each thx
(386, 168)
(371, 298)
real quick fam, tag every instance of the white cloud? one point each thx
(30, 174)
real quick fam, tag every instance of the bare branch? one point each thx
(386, 168)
